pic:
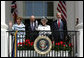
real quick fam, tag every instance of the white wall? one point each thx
(70, 15)
(8, 12)
(79, 10)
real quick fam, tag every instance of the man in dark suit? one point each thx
(31, 32)
(59, 28)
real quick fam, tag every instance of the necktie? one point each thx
(58, 23)
(32, 26)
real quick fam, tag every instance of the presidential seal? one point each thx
(42, 44)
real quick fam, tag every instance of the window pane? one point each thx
(39, 8)
(29, 8)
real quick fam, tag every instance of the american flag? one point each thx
(62, 8)
(14, 10)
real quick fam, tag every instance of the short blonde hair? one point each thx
(19, 18)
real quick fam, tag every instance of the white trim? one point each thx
(37, 17)
(4, 26)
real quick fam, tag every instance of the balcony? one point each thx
(22, 46)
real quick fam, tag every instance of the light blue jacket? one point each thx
(21, 27)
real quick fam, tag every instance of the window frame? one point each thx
(37, 17)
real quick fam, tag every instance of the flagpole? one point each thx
(15, 41)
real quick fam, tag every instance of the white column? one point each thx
(79, 27)
(4, 39)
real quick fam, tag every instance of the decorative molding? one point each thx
(4, 26)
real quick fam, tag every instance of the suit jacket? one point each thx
(55, 25)
(55, 30)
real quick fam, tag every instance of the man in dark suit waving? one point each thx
(59, 28)
(31, 28)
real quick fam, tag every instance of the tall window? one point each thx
(38, 8)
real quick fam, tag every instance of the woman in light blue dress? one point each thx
(19, 26)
